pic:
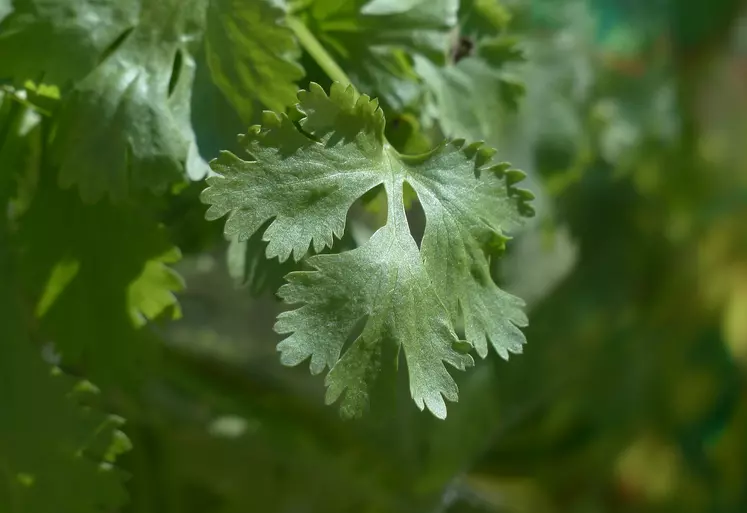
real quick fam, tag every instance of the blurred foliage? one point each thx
(630, 119)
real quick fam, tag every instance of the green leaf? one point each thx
(52, 451)
(20, 142)
(152, 292)
(373, 41)
(481, 18)
(48, 444)
(61, 40)
(97, 274)
(306, 179)
(5, 9)
(252, 54)
(249, 267)
(475, 92)
(126, 123)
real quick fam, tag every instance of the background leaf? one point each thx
(251, 54)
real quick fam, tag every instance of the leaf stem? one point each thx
(312, 45)
(15, 94)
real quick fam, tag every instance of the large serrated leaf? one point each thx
(305, 180)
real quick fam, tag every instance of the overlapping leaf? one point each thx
(126, 123)
(98, 273)
(129, 68)
(251, 54)
(306, 180)
(53, 452)
(60, 42)
(54, 455)
(373, 40)
(475, 92)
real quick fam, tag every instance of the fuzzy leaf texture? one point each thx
(305, 180)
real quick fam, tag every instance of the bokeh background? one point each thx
(630, 395)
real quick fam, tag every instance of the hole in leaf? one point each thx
(249, 266)
(114, 45)
(355, 332)
(366, 215)
(176, 70)
(415, 213)
(458, 322)
(479, 274)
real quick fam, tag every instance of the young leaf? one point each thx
(251, 54)
(305, 179)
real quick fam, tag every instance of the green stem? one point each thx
(312, 45)
(13, 95)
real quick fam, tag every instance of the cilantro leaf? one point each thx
(305, 180)
(373, 40)
(125, 125)
(475, 91)
(54, 454)
(52, 451)
(384, 280)
(98, 273)
(61, 41)
(251, 54)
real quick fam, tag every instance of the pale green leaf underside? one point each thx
(305, 182)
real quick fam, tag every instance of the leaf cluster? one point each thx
(104, 143)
